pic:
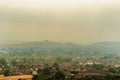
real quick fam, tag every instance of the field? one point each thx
(26, 77)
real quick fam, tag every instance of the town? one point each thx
(42, 63)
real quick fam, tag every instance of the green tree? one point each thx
(112, 70)
(98, 66)
(6, 73)
(35, 77)
(59, 75)
(46, 71)
(14, 62)
(3, 62)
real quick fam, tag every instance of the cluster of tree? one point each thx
(114, 70)
(46, 74)
(98, 66)
(59, 75)
(3, 62)
(97, 77)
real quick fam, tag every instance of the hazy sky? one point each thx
(77, 21)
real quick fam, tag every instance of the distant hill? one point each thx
(57, 44)
(100, 48)
(107, 44)
(41, 44)
(112, 47)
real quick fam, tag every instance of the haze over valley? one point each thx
(59, 40)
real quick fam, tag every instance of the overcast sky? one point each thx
(77, 21)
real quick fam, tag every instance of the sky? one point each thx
(76, 21)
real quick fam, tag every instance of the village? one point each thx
(45, 68)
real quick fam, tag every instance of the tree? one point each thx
(6, 73)
(35, 77)
(59, 75)
(3, 61)
(112, 70)
(46, 71)
(14, 62)
(98, 66)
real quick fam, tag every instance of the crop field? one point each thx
(26, 77)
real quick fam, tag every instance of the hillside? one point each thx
(53, 48)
